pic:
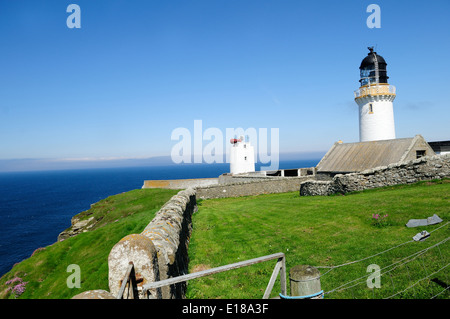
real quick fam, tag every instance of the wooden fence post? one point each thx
(305, 282)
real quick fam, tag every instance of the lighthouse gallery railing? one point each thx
(377, 89)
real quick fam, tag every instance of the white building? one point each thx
(242, 156)
(374, 98)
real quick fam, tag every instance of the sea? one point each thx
(36, 206)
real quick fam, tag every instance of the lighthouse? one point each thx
(242, 156)
(375, 100)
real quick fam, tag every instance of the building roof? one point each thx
(356, 157)
(440, 146)
(439, 143)
(370, 60)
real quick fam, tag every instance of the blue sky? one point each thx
(136, 70)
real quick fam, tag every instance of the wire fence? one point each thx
(412, 269)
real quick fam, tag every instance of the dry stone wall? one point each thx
(251, 188)
(425, 168)
(180, 183)
(160, 251)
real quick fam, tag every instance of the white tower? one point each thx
(374, 98)
(242, 156)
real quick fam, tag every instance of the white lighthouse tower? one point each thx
(242, 156)
(374, 98)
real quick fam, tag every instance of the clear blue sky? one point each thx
(136, 70)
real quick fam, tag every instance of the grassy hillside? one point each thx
(45, 272)
(322, 231)
(319, 231)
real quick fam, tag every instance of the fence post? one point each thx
(283, 275)
(305, 282)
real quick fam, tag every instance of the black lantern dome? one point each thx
(373, 69)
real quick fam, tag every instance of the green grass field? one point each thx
(46, 271)
(322, 231)
(319, 231)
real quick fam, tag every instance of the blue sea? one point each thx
(36, 206)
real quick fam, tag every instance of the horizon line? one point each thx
(75, 163)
